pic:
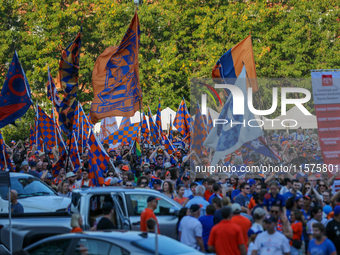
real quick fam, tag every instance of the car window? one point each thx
(27, 187)
(166, 245)
(87, 246)
(139, 204)
(53, 247)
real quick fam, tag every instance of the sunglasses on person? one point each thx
(129, 185)
(110, 175)
(143, 183)
(273, 211)
(322, 185)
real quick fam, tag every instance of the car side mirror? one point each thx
(174, 211)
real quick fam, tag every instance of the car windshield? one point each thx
(27, 187)
(166, 246)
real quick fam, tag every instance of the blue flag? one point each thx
(15, 97)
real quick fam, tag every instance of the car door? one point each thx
(91, 246)
(165, 213)
(121, 210)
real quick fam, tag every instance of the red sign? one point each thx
(327, 80)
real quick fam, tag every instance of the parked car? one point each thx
(33, 194)
(128, 203)
(109, 243)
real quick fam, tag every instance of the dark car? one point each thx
(109, 243)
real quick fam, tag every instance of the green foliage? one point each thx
(181, 39)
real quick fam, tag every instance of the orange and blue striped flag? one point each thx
(59, 164)
(46, 128)
(154, 134)
(115, 78)
(145, 127)
(125, 122)
(95, 172)
(74, 152)
(170, 149)
(32, 137)
(68, 76)
(210, 123)
(199, 132)
(182, 121)
(99, 154)
(159, 118)
(125, 134)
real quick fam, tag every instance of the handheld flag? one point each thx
(100, 156)
(46, 128)
(199, 132)
(126, 134)
(260, 146)
(52, 92)
(32, 137)
(170, 149)
(125, 122)
(170, 129)
(95, 173)
(74, 153)
(115, 78)
(5, 160)
(227, 138)
(15, 96)
(210, 124)
(138, 149)
(68, 76)
(154, 134)
(145, 127)
(107, 127)
(182, 121)
(59, 165)
(230, 65)
(159, 118)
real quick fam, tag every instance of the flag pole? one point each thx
(78, 117)
(82, 136)
(75, 139)
(36, 125)
(52, 97)
(3, 152)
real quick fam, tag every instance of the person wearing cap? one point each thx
(241, 221)
(33, 170)
(159, 160)
(191, 230)
(147, 213)
(115, 182)
(42, 156)
(71, 178)
(320, 244)
(105, 222)
(226, 237)
(85, 181)
(256, 228)
(24, 167)
(157, 185)
(333, 229)
(271, 241)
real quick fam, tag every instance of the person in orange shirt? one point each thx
(297, 227)
(148, 213)
(226, 237)
(241, 221)
(209, 191)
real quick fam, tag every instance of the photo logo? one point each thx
(327, 80)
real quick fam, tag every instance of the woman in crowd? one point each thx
(306, 187)
(297, 223)
(65, 189)
(180, 198)
(322, 186)
(168, 189)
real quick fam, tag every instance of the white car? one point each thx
(33, 194)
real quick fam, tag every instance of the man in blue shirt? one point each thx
(16, 207)
(293, 191)
(207, 224)
(199, 199)
(320, 245)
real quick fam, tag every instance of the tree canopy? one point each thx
(180, 40)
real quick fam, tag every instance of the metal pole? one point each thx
(75, 139)
(78, 117)
(156, 239)
(10, 220)
(82, 136)
(36, 126)
(3, 152)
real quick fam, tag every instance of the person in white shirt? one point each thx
(286, 187)
(299, 135)
(256, 228)
(271, 242)
(191, 230)
(316, 213)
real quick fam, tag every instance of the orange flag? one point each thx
(115, 78)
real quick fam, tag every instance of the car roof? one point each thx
(116, 234)
(11, 174)
(94, 190)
